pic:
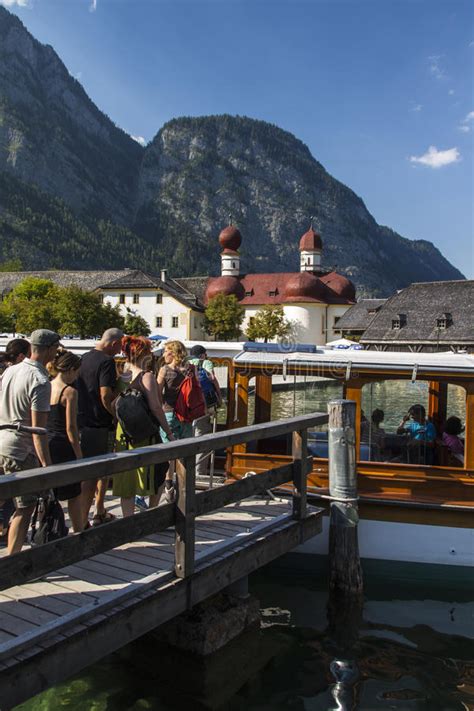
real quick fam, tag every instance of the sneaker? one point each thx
(141, 503)
(170, 494)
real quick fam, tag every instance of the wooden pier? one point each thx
(67, 604)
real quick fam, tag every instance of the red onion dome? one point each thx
(340, 285)
(226, 285)
(310, 241)
(304, 285)
(230, 238)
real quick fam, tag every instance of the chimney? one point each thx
(163, 274)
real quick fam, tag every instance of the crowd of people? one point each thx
(74, 400)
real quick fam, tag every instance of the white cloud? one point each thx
(434, 158)
(466, 123)
(434, 64)
(451, 92)
(416, 107)
(140, 140)
(93, 6)
(20, 3)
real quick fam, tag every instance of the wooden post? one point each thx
(185, 514)
(301, 468)
(345, 571)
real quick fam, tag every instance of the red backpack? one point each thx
(190, 403)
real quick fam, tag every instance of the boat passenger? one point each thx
(213, 397)
(451, 439)
(421, 432)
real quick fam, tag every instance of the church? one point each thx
(313, 299)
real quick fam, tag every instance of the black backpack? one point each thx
(48, 522)
(134, 415)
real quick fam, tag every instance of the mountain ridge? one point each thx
(79, 192)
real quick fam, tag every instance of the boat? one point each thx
(416, 504)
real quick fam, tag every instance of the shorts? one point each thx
(178, 428)
(11, 466)
(62, 452)
(96, 441)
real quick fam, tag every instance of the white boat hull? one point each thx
(404, 542)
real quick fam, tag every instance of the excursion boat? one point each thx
(416, 500)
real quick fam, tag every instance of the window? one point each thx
(249, 293)
(158, 322)
(121, 298)
(444, 321)
(174, 322)
(336, 319)
(233, 265)
(136, 298)
(159, 298)
(273, 292)
(399, 321)
(101, 298)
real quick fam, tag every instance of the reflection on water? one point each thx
(414, 651)
(394, 397)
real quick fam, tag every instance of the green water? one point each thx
(414, 650)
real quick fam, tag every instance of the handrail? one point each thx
(35, 562)
(34, 480)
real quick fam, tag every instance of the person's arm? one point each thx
(151, 389)
(401, 427)
(161, 381)
(70, 396)
(108, 384)
(40, 442)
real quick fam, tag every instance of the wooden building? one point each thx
(425, 317)
(358, 317)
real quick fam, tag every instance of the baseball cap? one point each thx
(44, 337)
(197, 351)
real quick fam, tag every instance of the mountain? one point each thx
(76, 191)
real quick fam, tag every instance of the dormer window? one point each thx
(444, 321)
(249, 293)
(273, 292)
(398, 322)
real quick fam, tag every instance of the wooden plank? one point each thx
(28, 613)
(34, 598)
(213, 499)
(13, 625)
(301, 469)
(35, 562)
(142, 613)
(29, 482)
(185, 515)
(120, 559)
(105, 573)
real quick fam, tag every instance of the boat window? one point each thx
(302, 394)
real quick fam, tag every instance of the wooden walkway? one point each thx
(64, 618)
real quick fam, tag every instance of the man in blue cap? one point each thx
(24, 400)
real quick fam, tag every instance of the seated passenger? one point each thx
(421, 431)
(378, 433)
(451, 439)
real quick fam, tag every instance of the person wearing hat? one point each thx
(198, 357)
(24, 400)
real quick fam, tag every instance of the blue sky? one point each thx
(380, 90)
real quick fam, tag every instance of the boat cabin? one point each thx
(403, 404)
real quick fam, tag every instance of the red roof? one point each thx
(310, 241)
(284, 287)
(230, 238)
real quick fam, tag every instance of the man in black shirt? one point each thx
(96, 386)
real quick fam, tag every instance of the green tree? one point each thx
(82, 313)
(268, 323)
(11, 265)
(136, 325)
(223, 317)
(33, 304)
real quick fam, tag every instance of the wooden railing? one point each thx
(37, 561)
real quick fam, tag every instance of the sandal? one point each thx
(105, 517)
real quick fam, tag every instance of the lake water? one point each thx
(414, 652)
(394, 397)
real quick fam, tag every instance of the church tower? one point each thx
(230, 240)
(310, 251)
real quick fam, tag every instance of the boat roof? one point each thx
(365, 361)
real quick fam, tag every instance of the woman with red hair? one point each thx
(149, 480)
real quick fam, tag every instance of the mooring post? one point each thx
(301, 467)
(185, 516)
(345, 574)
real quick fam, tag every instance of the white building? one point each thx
(313, 299)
